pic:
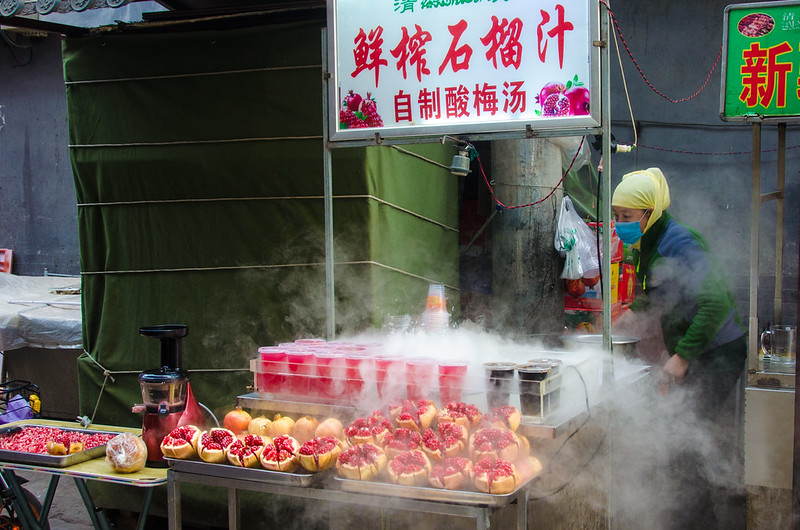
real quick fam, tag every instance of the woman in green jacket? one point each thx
(684, 285)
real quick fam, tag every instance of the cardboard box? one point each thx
(627, 282)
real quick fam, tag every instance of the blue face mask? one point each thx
(631, 232)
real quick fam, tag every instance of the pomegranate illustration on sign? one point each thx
(359, 112)
(559, 99)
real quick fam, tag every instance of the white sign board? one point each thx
(428, 67)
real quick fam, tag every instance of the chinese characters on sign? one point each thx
(421, 63)
(761, 79)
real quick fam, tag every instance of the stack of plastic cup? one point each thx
(435, 317)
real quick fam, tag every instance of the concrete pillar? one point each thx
(527, 294)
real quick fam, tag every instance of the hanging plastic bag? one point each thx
(576, 242)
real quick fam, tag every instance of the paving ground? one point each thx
(67, 511)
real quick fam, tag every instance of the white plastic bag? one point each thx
(576, 242)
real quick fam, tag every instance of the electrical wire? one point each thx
(500, 205)
(572, 435)
(641, 72)
(625, 87)
(11, 45)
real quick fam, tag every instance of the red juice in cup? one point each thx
(451, 380)
(419, 377)
(273, 369)
(330, 373)
(301, 372)
(388, 372)
(354, 384)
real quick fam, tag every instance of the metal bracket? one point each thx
(599, 43)
(378, 139)
(528, 131)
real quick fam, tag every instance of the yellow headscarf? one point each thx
(641, 190)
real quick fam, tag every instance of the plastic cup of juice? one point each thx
(330, 373)
(419, 377)
(272, 376)
(451, 380)
(301, 370)
(390, 375)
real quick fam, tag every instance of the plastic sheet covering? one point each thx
(53, 321)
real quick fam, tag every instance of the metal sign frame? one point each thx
(598, 123)
(787, 25)
(489, 130)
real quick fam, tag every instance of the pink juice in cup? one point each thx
(272, 376)
(451, 380)
(389, 375)
(330, 372)
(301, 372)
(419, 377)
(354, 384)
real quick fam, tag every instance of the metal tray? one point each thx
(37, 459)
(472, 498)
(226, 471)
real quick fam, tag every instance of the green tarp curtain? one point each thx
(198, 163)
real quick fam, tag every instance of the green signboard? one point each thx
(761, 71)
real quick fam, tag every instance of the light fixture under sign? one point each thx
(460, 164)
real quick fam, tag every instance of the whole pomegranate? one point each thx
(553, 87)
(578, 100)
(237, 420)
(353, 101)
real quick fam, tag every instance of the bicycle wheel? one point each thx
(9, 519)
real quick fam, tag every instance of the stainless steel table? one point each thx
(330, 491)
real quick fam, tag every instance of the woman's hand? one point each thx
(676, 366)
(674, 369)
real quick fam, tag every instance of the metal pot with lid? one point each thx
(627, 346)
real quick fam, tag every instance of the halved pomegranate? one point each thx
(495, 475)
(528, 467)
(371, 429)
(320, 453)
(415, 415)
(181, 442)
(246, 451)
(449, 442)
(361, 462)
(496, 443)
(212, 444)
(400, 441)
(505, 417)
(410, 468)
(451, 473)
(459, 412)
(281, 454)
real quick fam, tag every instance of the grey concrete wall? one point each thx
(38, 216)
(676, 45)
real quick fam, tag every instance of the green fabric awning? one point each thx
(198, 163)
